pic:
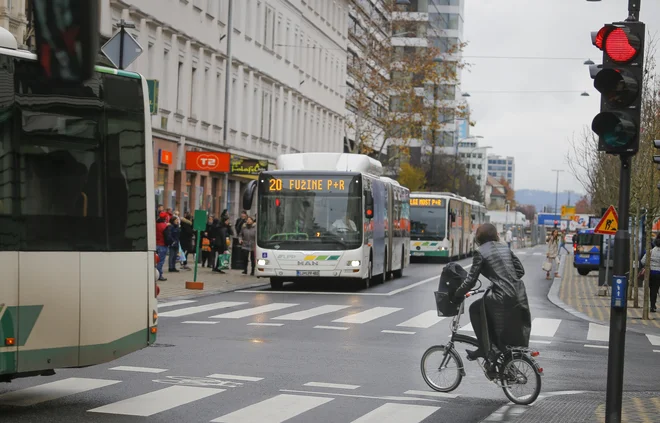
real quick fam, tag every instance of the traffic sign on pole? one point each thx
(122, 49)
(609, 223)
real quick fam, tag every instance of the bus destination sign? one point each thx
(319, 184)
(426, 202)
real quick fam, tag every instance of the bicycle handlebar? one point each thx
(473, 292)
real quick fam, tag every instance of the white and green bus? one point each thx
(77, 229)
(443, 225)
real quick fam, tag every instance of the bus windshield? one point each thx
(310, 212)
(428, 222)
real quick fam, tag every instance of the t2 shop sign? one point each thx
(208, 161)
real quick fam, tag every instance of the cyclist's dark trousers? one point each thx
(478, 320)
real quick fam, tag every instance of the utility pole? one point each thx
(230, 30)
(557, 188)
(434, 121)
(620, 81)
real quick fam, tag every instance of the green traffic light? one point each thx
(616, 129)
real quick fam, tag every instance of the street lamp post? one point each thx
(230, 29)
(557, 187)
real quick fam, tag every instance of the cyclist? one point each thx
(507, 319)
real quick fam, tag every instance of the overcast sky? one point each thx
(535, 128)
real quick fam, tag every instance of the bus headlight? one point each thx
(353, 263)
(262, 262)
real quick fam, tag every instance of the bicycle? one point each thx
(505, 374)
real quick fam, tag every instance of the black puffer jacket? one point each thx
(507, 308)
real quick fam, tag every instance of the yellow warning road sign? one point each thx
(609, 223)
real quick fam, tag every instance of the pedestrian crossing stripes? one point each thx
(393, 321)
(53, 390)
(367, 315)
(398, 413)
(157, 401)
(200, 309)
(277, 409)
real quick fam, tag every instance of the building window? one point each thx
(193, 87)
(269, 28)
(179, 86)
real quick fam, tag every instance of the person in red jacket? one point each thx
(161, 247)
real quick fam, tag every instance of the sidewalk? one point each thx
(580, 407)
(214, 283)
(580, 293)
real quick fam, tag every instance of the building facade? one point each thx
(437, 24)
(285, 95)
(14, 15)
(500, 167)
(475, 159)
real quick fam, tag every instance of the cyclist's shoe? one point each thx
(474, 354)
(491, 370)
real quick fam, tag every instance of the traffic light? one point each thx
(619, 79)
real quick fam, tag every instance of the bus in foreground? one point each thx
(443, 225)
(77, 230)
(329, 215)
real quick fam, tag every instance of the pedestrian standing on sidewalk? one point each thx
(508, 237)
(161, 246)
(172, 239)
(654, 277)
(553, 253)
(248, 241)
(186, 238)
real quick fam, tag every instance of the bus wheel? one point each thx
(276, 283)
(370, 275)
(583, 272)
(399, 273)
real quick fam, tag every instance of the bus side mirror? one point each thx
(369, 205)
(67, 38)
(248, 195)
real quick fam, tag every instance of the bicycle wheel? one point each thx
(521, 381)
(433, 368)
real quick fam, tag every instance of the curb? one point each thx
(212, 292)
(553, 296)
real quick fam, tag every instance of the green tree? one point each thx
(414, 178)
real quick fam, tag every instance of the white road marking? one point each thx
(174, 303)
(274, 410)
(521, 253)
(374, 294)
(538, 341)
(545, 327)
(654, 339)
(265, 324)
(538, 254)
(238, 314)
(467, 328)
(658, 351)
(236, 377)
(598, 333)
(138, 369)
(157, 401)
(432, 394)
(386, 398)
(400, 332)
(398, 413)
(596, 346)
(53, 390)
(200, 309)
(312, 312)
(199, 322)
(424, 320)
(367, 315)
(331, 385)
(331, 327)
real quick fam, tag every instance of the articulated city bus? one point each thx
(77, 230)
(329, 215)
(443, 225)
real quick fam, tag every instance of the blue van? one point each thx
(586, 254)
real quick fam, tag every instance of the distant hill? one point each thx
(541, 199)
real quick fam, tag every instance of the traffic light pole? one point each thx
(633, 10)
(618, 315)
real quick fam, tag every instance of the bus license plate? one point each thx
(308, 273)
(584, 256)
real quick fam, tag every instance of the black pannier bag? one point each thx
(451, 278)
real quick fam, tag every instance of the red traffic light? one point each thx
(621, 46)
